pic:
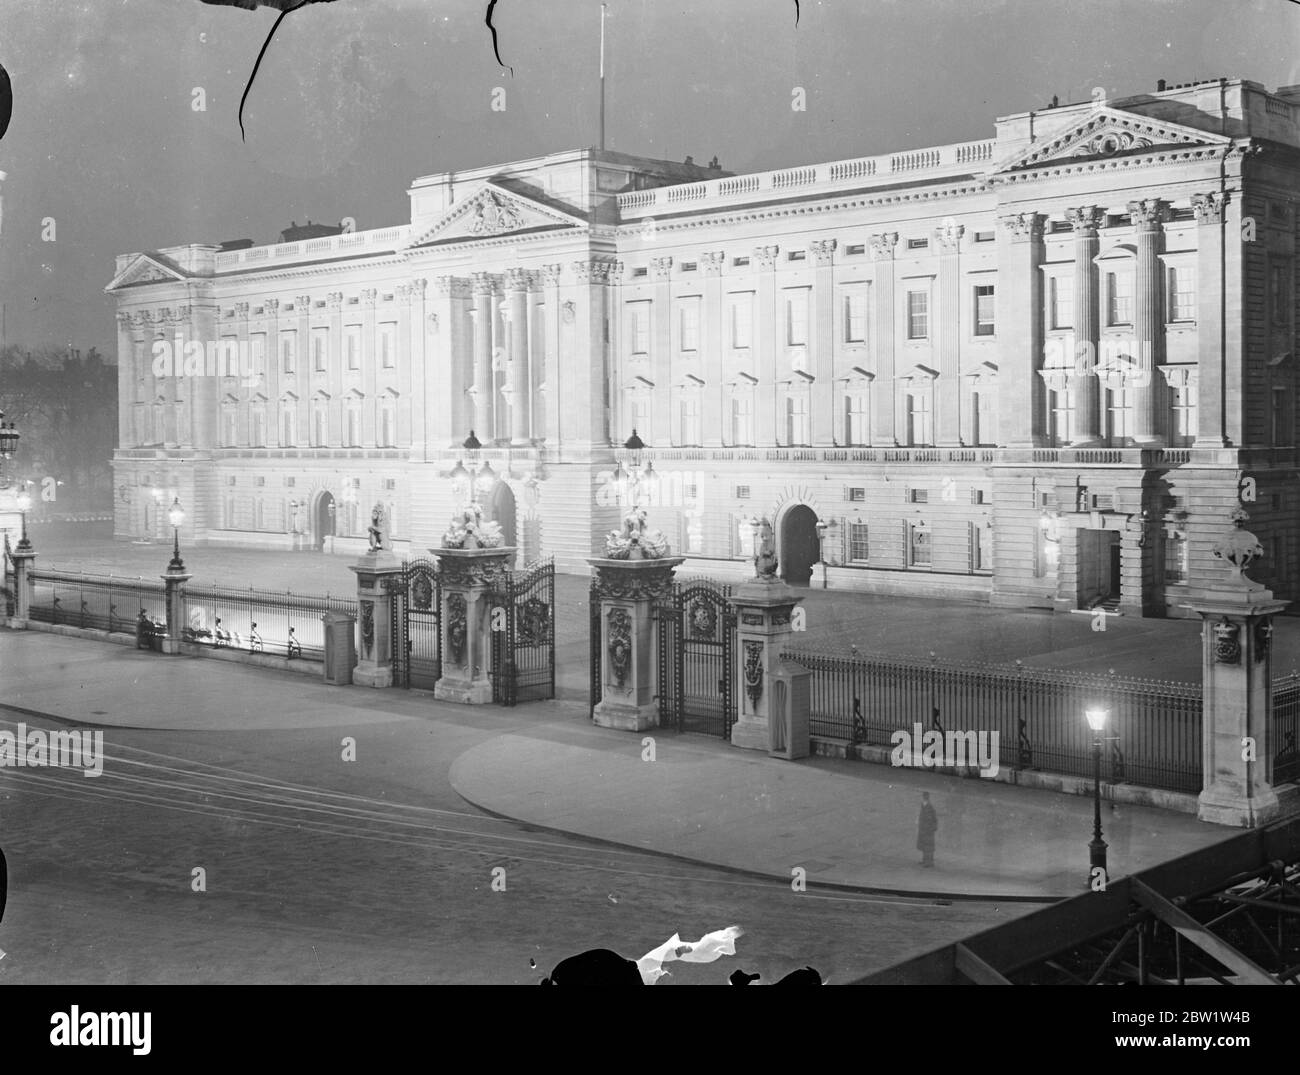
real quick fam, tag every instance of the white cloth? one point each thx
(711, 946)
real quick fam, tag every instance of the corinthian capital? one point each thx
(302, 302)
(1147, 214)
(1023, 227)
(823, 250)
(368, 297)
(766, 256)
(1085, 220)
(712, 261)
(551, 274)
(882, 245)
(1209, 207)
(518, 279)
(335, 300)
(661, 267)
(596, 271)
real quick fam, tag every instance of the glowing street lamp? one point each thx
(176, 516)
(1097, 849)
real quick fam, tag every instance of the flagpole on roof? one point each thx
(602, 76)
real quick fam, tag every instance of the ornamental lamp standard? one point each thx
(24, 506)
(1097, 849)
(635, 483)
(176, 516)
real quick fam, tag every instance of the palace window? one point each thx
(288, 349)
(257, 352)
(859, 546)
(319, 428)
(857, 427)
(388, 344)
(1279, 431)
(689, 320)
(742, 420)
(918, 315)
(920, 418)
(1175, 556)
(288, 424)
(690, 430)
(319, 340)
(1119, 298)
(257, 438)
(638, 316)
(1182, 416)
(796, 414)
(984, 417)
(981, 548)
(1182, 294)
(1062, 300)
(855, 317)
(1060, 418)
(387, 423)
(796, 318)
(741, 322)
(1281, 298)
(352, 346)
(919, 546)
(985, 308)
(1119, 416)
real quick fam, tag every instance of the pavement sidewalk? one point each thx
(843, 823)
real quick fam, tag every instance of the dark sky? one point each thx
(358, 97)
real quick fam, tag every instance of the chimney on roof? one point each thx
(1160, 86)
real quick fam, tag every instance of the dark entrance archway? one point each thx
(799, 546)
(501, 509)
(324, 521)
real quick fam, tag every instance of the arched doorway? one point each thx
(799, 546)
(501, 509)
(324, 519)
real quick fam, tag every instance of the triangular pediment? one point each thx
(147, 269)
(491, 211)
(1109, 132)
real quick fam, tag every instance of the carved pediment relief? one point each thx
(493, 211)
(146, 269)
(1109, 132)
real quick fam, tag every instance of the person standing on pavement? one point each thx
(926, 826)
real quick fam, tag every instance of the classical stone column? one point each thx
(273, 375)
(1211, 343)
(1236, 730)
(520, 380)
(1087, 414)
(821, 406)
(628, 590)
(468, 577)
(884, 387)
(369, 369)
(713, 336)
(769, 337)
(335, 417)
(376, 572)
(764, 606)
(552, 379)
(1148, 321)
(481, 390)
(947, 401)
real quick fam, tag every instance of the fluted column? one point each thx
(272, 372)
(821, 408)
(1087, 415)
(1021, 395)
(713, 308)
(481, 391)
(1211, 343)
(947, 402)
(126, 375)
(769, 337)
(886, 387)
(552, 378)
(334, 420)
(518, 378)
(1148, 321)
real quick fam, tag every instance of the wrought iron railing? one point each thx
(102, 602)
(1153, 736)
(274, 622)
(1286, 730)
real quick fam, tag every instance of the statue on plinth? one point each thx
(765, 561)
(468, 530)
(636, 541)
(378, 530)
(1239, 548)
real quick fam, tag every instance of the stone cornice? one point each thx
(1148, 160)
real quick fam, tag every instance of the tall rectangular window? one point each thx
(796, 412)
(640, 415)
(318, 427)
(855, 317)
(289, 425)
(918, 315)
(352, 345)
(354, 426)
(688, 315)
(689, 428)
(859, 545)
(257, 352)
(288, 350)
(1279, 432)
(387, 424)
(1182, 294)
(742, 420)
(920, 424)
(985, 310)
(1119, 298)
(638, 327)
(1182, 413)
(796, 318)
(741, 322)
(1062, 315)
(918, 545)
(319, 342)
(1175, 556)
(981, 548)
(388, 344)
(1060, 418)
(1119, 415)
(857, 430)
(1280, 297)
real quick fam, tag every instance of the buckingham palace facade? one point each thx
(1037, 370)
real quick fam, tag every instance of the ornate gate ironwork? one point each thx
(597, 646)
(522, 608)
(697, 646)
(416, 625)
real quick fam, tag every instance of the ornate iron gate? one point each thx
(597, 645)
(522, 607)
(416, 625)
(697, 643)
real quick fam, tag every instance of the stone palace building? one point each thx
(1037, 369)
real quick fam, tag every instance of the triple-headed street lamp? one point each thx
(1097, 849)
(475, 482)
(636, 480)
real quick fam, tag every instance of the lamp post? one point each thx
(24, 506)
(176, 516)
(1097, 849)
(635, 481)
(473, 482)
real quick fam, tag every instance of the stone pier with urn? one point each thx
(376, 572)
(1236, 732)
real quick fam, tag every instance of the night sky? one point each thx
(358, 97)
